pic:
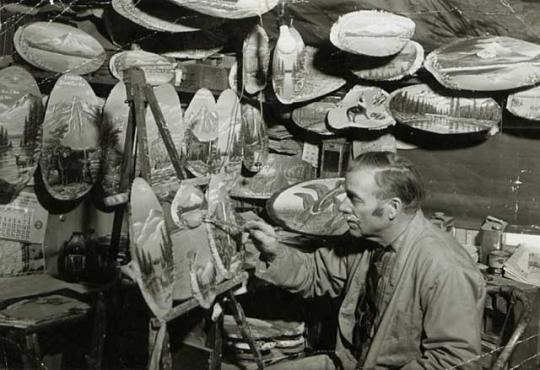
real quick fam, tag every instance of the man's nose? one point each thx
(344, 207)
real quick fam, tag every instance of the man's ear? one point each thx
(395, 206)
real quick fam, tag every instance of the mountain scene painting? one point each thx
(422, 108)
(312, 117)
(255, 60)
(255, 138)
(311, 207)
(525, 104)
(59, 48)
(232, 9)
(71, 149)
(486, 64)
(157, 69)
(21, 116)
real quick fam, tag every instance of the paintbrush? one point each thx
(226, 226)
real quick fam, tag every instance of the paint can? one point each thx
(496, 261)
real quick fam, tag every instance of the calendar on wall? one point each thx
(24, 219)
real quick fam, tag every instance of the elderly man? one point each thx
(412, 296)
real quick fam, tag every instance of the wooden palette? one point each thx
(202, 130)
(310, 207)
(525, 104)
(58, 48)
(151, 249)
(372, 32)
(114, 125)
(312, 117)
(162, 170)
(425, 109)
(362, 107)
(485, 64)
(255, 139)
(391, 68)
(157, 69)
(21, 116)
(70, 149)
(234, 9)
(279, 172)
(255, 60)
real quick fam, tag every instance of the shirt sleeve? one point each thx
(310, 274)
(452, 308)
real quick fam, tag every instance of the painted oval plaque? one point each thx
(391, 68)
(255, 60)
(255, 138)
(422, 108)
(311, 207)
(70, 150)
(21, 116)
(525, 104)
(59, 48)
(233, 9)
(485, 64)
(151, 249)
(229, 147)
(372, 32)
(157, 69)
(362, 107)
(312, 117)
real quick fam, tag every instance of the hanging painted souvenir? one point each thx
(277, 173)
(254, 136)
(70, 149)
(310, 207)
(362, 107)
(202, 130)
(486, 63)
(390, 68)
(161, 168)
(58, 48)
(525, 104)
(229, 147)
(295, 75)
(157, 69)
(152, 263)
(372, 32)
(163, 16)
(21, 115)
(312, 117)
(425, 109)
(233, 9)
(114, 124)
(255, 60)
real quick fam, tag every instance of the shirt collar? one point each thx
(416, 225)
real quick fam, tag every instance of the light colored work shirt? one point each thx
(431, 299)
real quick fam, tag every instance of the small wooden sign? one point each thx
(233, 9)
(57, 47)
(157, 69)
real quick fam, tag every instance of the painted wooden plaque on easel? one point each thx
(390, 68)
(229, 146)
(372, 32)
(255, 60)
(487, 63)
(151, 249)
(157, 69)
(422, 108)
(255, 138)
(311, 207)
(71, 148)
(21, 115)
(233, 9)
(525, 104)
(362, 107)
(312, 117)
(58, 48)
(202, 130)
(279, 172)
(162, 170)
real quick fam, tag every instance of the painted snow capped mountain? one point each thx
(67, 43)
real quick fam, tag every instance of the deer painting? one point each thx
(21, 163)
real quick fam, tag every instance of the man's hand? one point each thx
(264, 238)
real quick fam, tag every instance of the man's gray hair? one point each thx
(395, 176)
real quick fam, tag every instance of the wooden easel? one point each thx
(139, 94)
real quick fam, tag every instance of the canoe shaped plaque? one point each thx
(21, 116)
(255, 139)
(372, 32)
(485, 64)
(255, 60)
(59, 48)
(312, 117)
(151, 249)
(233, 9)
(229, 147)
(311, 207)
(390, 68)
(525, 104)
(157, 69)
(362, 107)
(421, 107)
(70, 150)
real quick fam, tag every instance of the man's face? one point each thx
(365, 214)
